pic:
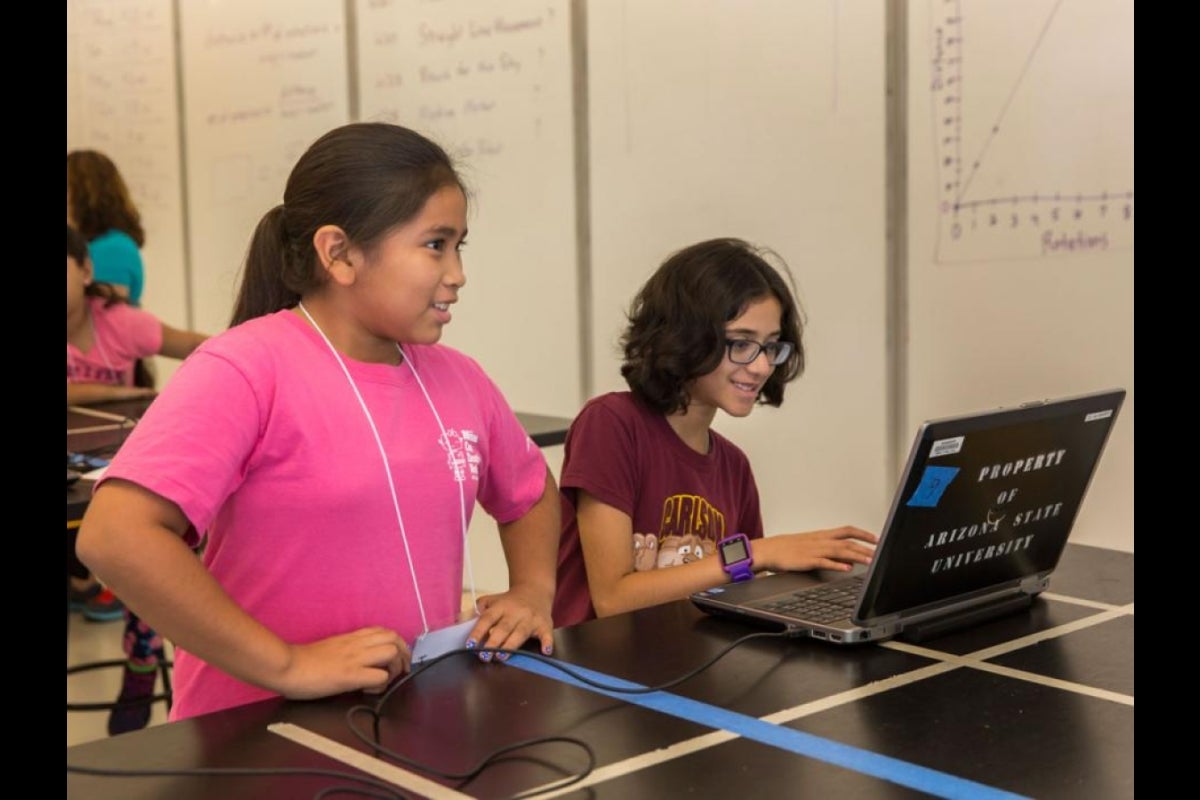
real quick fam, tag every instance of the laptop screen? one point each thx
(986, 500)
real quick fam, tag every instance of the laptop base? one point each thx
(923, 631)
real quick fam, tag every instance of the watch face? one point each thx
(734, 551)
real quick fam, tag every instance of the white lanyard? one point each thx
(462, 505)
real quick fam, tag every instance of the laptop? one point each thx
(977, 525)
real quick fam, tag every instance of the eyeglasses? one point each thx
(745, 351)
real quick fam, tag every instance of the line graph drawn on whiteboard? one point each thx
(1032, 104)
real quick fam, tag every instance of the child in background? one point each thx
(100, 207)
(106, 339)
(333, 451)
(649, 489)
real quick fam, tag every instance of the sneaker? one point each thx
(97, 604)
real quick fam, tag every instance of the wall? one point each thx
(1020, 259)
(261, 81)
(122, 101)
(492, 84)
(764, 121)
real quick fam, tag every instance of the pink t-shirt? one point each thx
(261, 442)
(123, 335)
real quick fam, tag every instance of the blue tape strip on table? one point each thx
(805, 744)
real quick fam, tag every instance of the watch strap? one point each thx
(739, 570)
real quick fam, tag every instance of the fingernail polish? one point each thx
(485, 656)
(470, 644)
(547, 650)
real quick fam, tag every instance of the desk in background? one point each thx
(545, 431)
(97, 429)
(100, 429)
(1039, 703)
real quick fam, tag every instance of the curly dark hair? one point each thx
(99, 198)
(676, 330)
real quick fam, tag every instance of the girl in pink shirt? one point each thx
(107, 339)
(327, 452)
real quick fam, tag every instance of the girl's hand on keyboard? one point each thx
(836, 548)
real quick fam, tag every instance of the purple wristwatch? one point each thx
(735, 557)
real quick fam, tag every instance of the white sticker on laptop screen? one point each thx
(946, 447)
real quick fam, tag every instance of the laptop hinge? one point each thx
(921, 631)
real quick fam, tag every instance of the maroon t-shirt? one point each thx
(681, 502)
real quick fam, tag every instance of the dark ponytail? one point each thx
(77, 249)
(366, 178)
(274, 276)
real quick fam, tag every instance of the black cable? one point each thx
(382, 790)
(386, 791)
(482, 764)
(375, 710)
(332, 790)
(649, 689)
(559, 665)
(541, 762)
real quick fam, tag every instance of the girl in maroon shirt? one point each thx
(648, 487)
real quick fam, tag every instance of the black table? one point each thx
(545, 430)
(97, 429)
(1039, 703)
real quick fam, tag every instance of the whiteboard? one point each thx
(601, 136)
(764, 121)
(261, 82)
(1020, 280)
(492, 84)
(122, 101)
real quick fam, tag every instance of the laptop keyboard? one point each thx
(825, 603)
